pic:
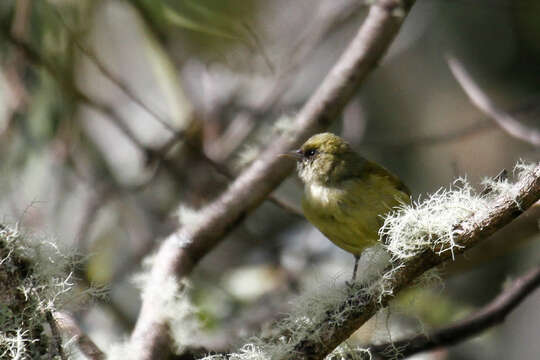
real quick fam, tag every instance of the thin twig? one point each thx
(56, 338)
(156, 156)
(225, 172)
(70, 89)
(153, 155)
(308, 43)
(361, 308)
(286, 206)
(488, 316)
(329, 13)
(73, 91)
(70, 327)
(481, 100)
(181, 251)
(116, 80)
(436, 139)
(92, 207)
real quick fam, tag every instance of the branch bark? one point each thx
(506, 121)
(69, 326)
(56, 338)
(336, 327)
(490, 315)
(183, 250)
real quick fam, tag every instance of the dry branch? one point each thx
(71, 329)
(509, 123)
(183, 250)
(490, 315)
(56, 337)
(474, 129)
(336, 328)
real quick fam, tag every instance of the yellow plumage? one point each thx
(345, 195)
(350, 213)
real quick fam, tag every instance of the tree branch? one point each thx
(435, 139)
(56, 337)
(359, 306)
(69, 326)
(183, 250)
(505, 120)
(69, 88)
(490, 315)
(328, 14)
(156, 155)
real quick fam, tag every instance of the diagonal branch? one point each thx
(56, 337)
(69, 327)
(153, 155)
(359, 306)
(490, 315)
(481, 100)
(474, 129)
(69, 88)
(167, 123)
(180, 252)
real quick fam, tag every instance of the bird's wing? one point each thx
(378, 170)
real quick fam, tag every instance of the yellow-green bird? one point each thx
(345, 195)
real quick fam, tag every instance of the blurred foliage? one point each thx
(213, 24)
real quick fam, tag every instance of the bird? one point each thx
(345, 195)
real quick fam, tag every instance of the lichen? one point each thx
(36, 278)
(435, 222)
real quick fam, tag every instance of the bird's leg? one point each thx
(356, 258)
(350, 284)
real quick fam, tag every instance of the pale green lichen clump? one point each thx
(433, 223)
(253, 351)
(321, 305)
(35, 279)
(175, 306)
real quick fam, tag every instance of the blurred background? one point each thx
(119, 119)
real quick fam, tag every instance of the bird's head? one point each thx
(324, 158)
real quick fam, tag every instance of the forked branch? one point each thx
(180, 252)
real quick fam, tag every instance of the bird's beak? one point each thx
(293, 154)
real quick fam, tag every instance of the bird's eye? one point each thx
(309, 153)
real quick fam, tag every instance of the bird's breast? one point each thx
(350, 215)
(323, 196)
